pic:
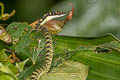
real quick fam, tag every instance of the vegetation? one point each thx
(78, 58)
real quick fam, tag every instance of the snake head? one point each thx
(55, 26)
(47, 17)
(51, 15)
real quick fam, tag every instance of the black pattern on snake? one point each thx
(48, 44)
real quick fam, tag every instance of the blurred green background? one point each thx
(91, 18)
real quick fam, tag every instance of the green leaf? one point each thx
(6, 62)
(17, 29)
(7, 70)
(103, 65)
(26, 42)
(21, 65)
(66, 71)
(6, 73)
(3, 55)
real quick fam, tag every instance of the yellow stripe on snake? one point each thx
(49, 27)
(48, 43)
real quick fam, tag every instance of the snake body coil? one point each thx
(48, 44)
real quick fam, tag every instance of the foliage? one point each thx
(75, 58)
(7, 69)
(100, 54)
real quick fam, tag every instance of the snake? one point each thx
(39, 25)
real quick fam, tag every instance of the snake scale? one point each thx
(48, 43)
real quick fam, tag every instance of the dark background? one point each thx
(92, 17)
